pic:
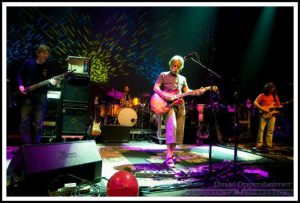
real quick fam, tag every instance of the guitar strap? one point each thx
(275, 99)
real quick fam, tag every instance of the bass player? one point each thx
(33, 107)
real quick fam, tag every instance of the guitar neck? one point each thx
(35, 86)
(96, 109)
(184, 94)
(191, 92)
(43, 83)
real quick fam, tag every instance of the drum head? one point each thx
(127, 117)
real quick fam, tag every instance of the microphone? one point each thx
(187, 57)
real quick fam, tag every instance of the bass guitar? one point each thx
(95, 130)
(161, 106)
(273, 110)
(18, 97)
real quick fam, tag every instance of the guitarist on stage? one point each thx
(166, 86)
(267, 102)
(33, 106)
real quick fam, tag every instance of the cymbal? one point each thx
(114, 93)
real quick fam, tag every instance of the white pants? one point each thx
(174, 122)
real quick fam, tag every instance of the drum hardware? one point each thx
(142, 111)
(113, 110)
(102, 110)
(125, 103)
(128, 113)
(202, 132)
(136, 101)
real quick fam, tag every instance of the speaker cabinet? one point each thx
(50, 166)
(74, 119)
(76, 90)
(114, 133)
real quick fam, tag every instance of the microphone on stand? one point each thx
(187, 57)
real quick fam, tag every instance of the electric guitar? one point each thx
(273, 110)
(96, 131)
(160, 106)
(18, 97)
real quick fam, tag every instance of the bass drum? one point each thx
(127, 117)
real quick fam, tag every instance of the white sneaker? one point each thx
(169, 163)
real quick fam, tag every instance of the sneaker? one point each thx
(169, 163)
(175, 159)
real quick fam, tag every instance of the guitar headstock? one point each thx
(215, 88)
(212, 88)
(202, 90)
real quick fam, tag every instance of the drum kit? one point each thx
(124, 113)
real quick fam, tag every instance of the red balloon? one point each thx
(122, 183)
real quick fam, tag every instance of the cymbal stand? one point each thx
(115, 101)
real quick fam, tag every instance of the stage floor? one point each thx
(195, 175)
(255, 173)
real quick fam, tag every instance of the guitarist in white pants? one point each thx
(34, 102)
(267, 102)
(167, 85)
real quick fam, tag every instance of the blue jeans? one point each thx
(32, 115)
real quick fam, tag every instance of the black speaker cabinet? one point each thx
(50, 166)
(114, 133)
(76, 90)
(74, 119)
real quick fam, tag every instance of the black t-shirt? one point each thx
(32, 73)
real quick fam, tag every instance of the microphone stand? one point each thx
(236, 168)
(211, 74)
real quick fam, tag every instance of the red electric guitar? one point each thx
(160, 106)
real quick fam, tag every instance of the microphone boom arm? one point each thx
(203, 66)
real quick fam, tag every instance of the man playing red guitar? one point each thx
(167, 85)
(267, 102)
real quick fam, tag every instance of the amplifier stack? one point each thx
(75, 98)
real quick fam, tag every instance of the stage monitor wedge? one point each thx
(50, 166)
